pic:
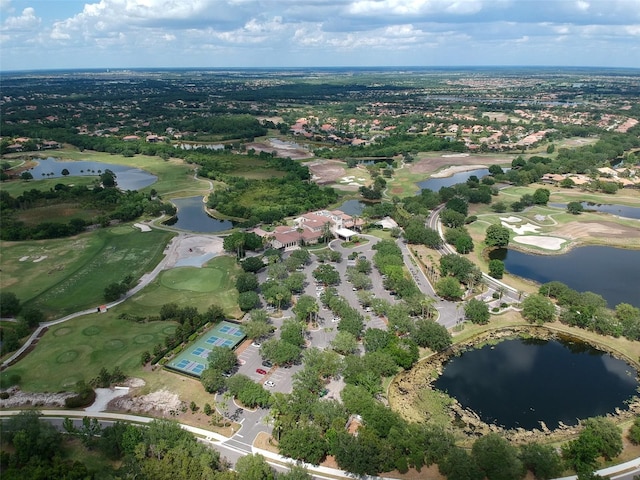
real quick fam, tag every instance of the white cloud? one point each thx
(26, 21)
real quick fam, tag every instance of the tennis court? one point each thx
(194, 358)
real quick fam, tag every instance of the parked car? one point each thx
(261, 371)
(267, 363)
(269, 383)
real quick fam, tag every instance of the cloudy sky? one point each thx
(47, 34)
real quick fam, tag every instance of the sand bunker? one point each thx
(39, 259)
(526, 228)
(447, 172)
(548, 243)
(24, 259)
(511, 219)
(142, 227)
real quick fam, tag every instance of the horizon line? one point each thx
(318, 67)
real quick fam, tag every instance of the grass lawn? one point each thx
(62, 276)
(78, 349)
(84, 345)
(16, 188)
(190, 286)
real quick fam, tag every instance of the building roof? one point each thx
(345, 232)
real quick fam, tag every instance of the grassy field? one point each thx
(78, 349)
(82, 346)
(66, 275)
(190, 286)
(18, 187)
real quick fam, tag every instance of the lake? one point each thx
(436, 184)
(192, 217)
(128, 178)
(521, 382)
(619, 210)
(611, 272)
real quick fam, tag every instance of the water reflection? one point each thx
(191, 216)
(619, 210)
(436, 184)
(128, 178)
(611, 272)
(520, 383)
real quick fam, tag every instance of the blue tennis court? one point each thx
(193, 360)
(201, 352)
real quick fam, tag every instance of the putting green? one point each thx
(144, 338)
(62, 331)
(67, 357)
(192, 279)
(169, 330)
(114, 344)
(91, 331)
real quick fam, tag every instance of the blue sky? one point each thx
(48, 34)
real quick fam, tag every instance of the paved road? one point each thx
(510, 294)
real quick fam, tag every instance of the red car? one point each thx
(261, 371)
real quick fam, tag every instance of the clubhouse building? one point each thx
(310, 228)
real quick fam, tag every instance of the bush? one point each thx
(7, 381)
(85, 396)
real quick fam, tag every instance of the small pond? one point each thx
(352, 207)
(619, 210)
(436, 184)
(192, 217)
(128, 178)
(611, 272)
(521, 382)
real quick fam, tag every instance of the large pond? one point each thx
(191, 216)
(519, 383)
(611, 272)
(436, 184)
(619, 210)
(128, 178)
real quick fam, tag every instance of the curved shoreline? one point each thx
(405, 389)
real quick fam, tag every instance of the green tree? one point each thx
(248, 301)
(452, 218)
(477, 311)
(292, 331)
(496, 268)
(541, 196)
(538, 309)
(252, 264)
(344, 343)
(306, 308)
(246, 281)
(464, 244)
(634, 432)
(449, 288)
(497, 236)
(497, 458)
(304, 443)
(431, 335)
(458, 464)
(254, 467)
(212, 380)
(542, 460)
(9, 304)
(575, 208)
(222, 358)
(327, 275)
